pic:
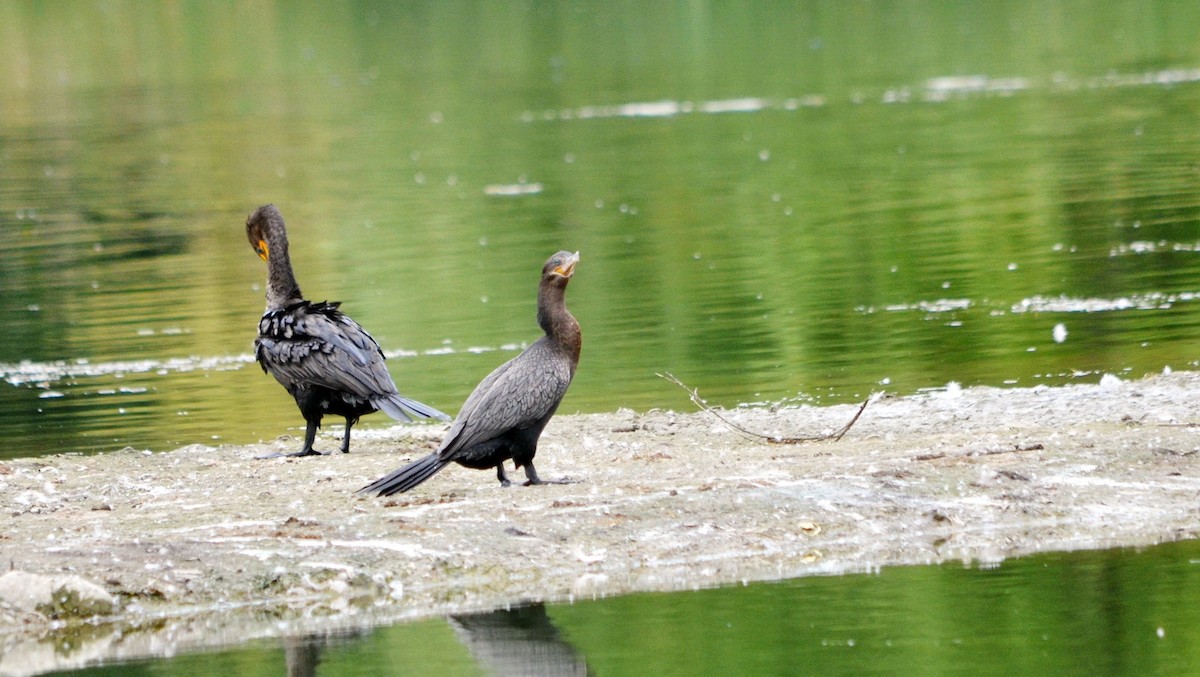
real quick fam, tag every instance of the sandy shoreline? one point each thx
(202, 545)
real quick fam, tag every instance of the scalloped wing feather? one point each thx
(316, 344)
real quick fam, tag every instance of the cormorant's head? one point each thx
(266, 219)
(560, 267)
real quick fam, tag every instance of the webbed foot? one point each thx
(531, 473)
(294, 454)
(538, 480)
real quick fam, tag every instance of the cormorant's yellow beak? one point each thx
(567, 268)
(263, 250)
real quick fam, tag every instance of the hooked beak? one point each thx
(567, 268)
(263, 250)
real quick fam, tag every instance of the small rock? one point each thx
(60, 597)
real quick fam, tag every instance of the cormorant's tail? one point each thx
(403, 409)
(407, 477)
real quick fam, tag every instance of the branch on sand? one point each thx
(771, 439)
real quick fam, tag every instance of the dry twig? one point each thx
(771, 439)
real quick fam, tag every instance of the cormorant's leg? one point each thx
(531, 474)
(310, 434)
(501, 476)
(346, 438)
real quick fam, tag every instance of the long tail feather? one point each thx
(407, 477)
(403, 409)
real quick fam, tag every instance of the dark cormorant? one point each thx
(329, 363)
(507, 411)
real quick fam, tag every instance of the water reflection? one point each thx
(518, 641)
(778, 203)
(507, 642)
(302, 654)
(1115, 612)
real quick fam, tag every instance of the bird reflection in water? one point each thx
(504, 643)
(517, 641)
(302, 654)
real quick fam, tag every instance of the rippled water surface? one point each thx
(797, 202)
(1119, 612)
(801, 203)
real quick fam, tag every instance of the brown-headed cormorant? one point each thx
(329, 363)
(505, 414)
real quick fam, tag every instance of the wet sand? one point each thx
(207, 545)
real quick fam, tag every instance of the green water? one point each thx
(1119, 612)
(774, 202)
(777, 202)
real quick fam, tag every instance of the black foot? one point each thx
(294, 454)
(307, 452)
(533, 478)
(565, 480)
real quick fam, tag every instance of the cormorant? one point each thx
(505, 414)
(329, 363)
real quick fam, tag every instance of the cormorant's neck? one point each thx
(558, 322)
(282, 290)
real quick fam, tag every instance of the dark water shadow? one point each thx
(505, 642)
(517, 641)
(303, 654)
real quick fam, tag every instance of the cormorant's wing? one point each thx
(315, 344)
(516, 395)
